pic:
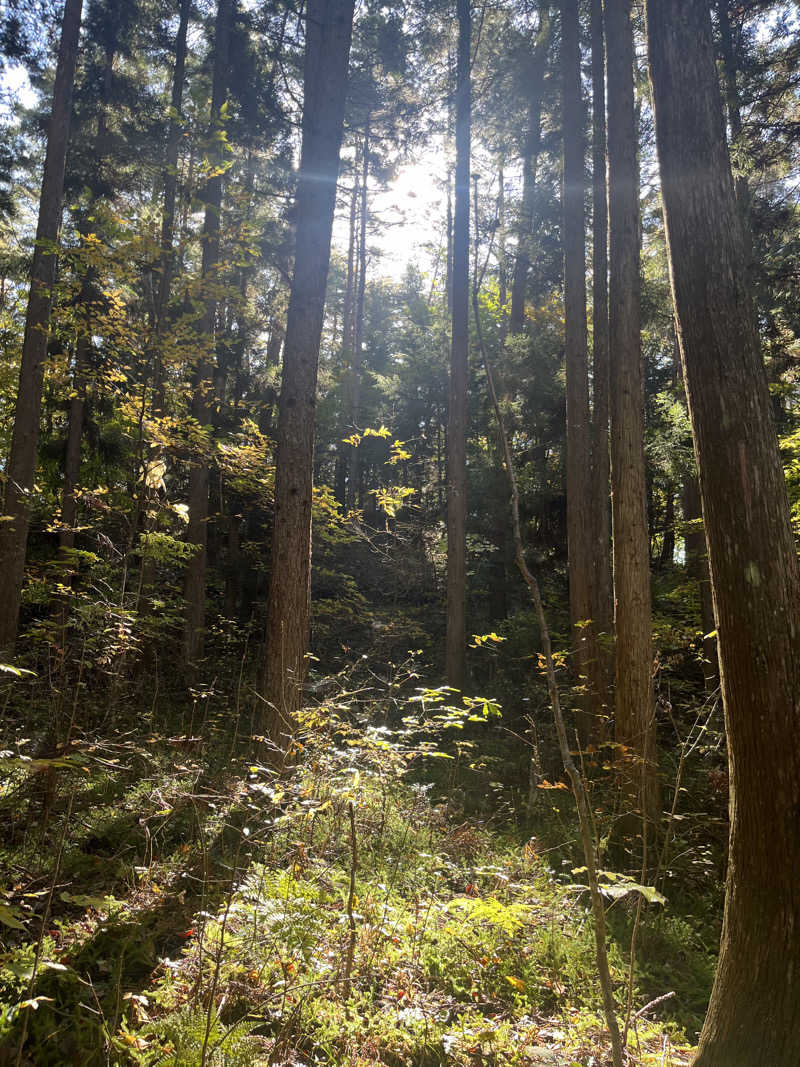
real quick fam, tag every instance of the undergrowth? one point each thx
(183, 902)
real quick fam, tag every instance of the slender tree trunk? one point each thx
(635, 720)
(602, 589)
(667, 554)
(77, 405)
(455, 663)
(579, 517)
(530, 165)
(329, 26)
(171, 166)
(199, 475)
(502, 272)
(22, 458)
(697, 567)
(753, 1015)
(358, 329)
(72, 455)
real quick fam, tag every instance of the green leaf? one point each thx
(10, 917)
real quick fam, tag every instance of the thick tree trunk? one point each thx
(579, 516)
(197, 528)
(530, 165)
(455, 664)
(329, 26)
(22, 458)
(635, 720)
(602, 588)
(753, 1015)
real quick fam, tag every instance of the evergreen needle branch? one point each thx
(578, 787)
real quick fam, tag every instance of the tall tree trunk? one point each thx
(455, 662)
(635, 719)
(358, 327)
(530, 165)
(348, 341)
(199, 475)
(88, 295)
(697, 567)
(602, 589)
(753, 1015)
(329, 26)
(579, 526)
(72, 453)
(22, 458)
(502, 272)
(170, 179)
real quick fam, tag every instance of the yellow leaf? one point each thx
(516, 982)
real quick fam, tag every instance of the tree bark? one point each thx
(329, 26)
(753, 1013)
(22, 458)
(635, 720)
(455, 664)
(579, 516)
(197, 528)
(602, 588)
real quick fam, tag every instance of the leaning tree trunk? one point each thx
(602, 589)
(459, 347)
(329, 25)
(199, 475)
(634, 700)
(22, 458)
(753, 1015)
(577, 374)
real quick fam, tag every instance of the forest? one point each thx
(400, 482)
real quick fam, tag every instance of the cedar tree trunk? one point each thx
(634, 699)
(579, 524)
(753, 1016)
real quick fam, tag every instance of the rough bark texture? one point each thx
(329, 26)
(459, 346)
(530, 165)
(753, 1015)
(634, 699)
(194, 587)
(22, 458)
(602, 588)
(579, 521)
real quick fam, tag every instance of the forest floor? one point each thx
(172, 901)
